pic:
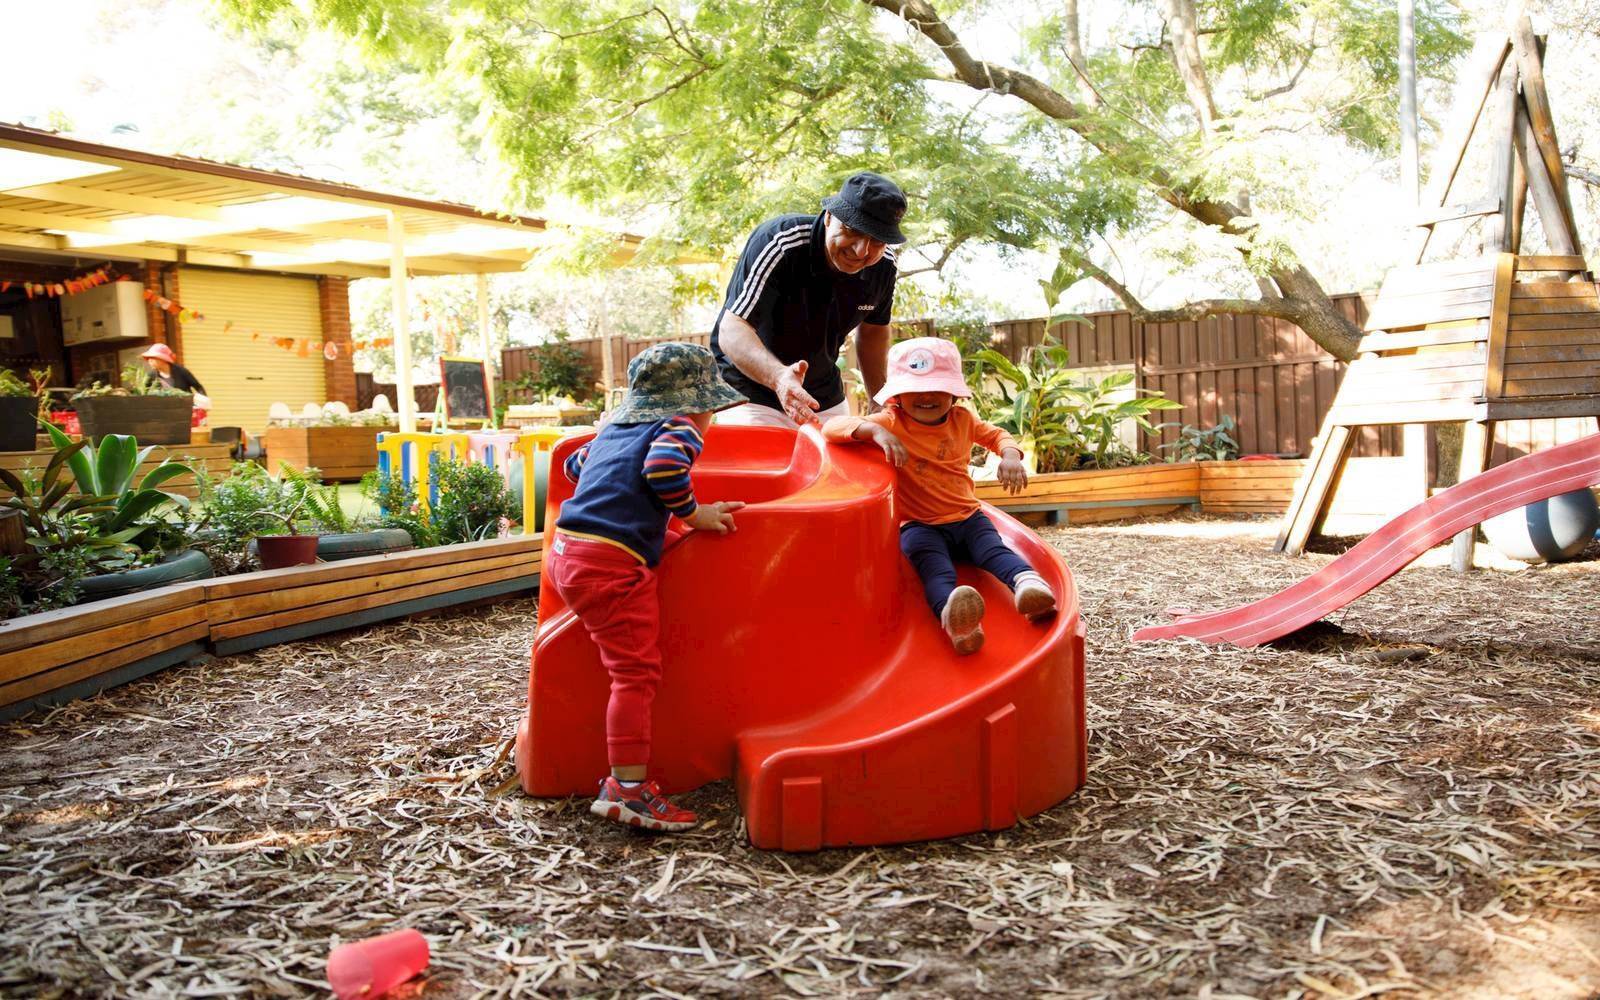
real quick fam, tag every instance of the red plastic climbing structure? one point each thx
(800, 659)
(1386, 551)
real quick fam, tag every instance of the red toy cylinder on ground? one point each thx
(371, 968)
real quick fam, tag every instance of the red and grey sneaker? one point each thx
(641, 805)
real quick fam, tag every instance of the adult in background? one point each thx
(165, 365)
(802, 284)
(166, 368)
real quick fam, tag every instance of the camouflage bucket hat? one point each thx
(672, 379)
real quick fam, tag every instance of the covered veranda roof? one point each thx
(60, 195)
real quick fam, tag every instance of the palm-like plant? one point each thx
(1058, 416)
(107, 471)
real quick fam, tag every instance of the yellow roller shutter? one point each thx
(244, 377)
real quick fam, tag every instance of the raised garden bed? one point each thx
(55, 656)
(341, 453)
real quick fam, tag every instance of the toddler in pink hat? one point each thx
(929, 439)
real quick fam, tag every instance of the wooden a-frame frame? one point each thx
(1498, 337)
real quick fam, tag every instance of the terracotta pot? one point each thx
(278, 551)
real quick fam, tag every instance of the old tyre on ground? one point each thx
(354, 544)
(1546, 531)
(180, 567)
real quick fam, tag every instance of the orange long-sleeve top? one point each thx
(934, 486)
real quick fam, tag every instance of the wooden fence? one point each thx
(1266, 373)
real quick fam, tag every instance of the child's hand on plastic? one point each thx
(715, 516)
(893, 450)
(1013, 475)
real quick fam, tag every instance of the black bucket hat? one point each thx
(872, 204)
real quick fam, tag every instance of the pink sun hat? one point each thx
(161, 351)
(923, 364)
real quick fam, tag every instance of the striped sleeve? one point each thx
(573, 466)
(666, 465)
(755, 285)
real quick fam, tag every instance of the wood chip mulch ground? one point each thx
(1402, 802)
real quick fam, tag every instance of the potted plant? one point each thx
(341, 535)
(292, 549)
(141, 407)
(16, 412)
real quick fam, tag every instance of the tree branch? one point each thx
(1590, 177)
(938, 265)
(1189, 311)
(1318, 317)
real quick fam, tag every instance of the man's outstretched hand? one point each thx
(790, 388)
(714, 516)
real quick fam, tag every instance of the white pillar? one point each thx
(487, 338)
(407, 403)
(1409, 183)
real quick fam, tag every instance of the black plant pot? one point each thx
(151, 419)
(17, 427)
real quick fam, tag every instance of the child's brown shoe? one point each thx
(963, 620)
(1035, 600)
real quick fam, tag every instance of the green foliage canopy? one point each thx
(728, 111)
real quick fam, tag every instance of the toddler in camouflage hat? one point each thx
(631, 479)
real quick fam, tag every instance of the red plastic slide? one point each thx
(801, 660)
(1385, 552)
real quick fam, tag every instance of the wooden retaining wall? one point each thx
(56, 656)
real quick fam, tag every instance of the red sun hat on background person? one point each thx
(161, 352)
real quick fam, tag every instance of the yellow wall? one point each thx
(244, 377)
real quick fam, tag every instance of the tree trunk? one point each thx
(1180, 19)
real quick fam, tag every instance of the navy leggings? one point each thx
(934, 548)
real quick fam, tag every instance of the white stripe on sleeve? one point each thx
(765, 263)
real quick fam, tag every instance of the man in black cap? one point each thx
(802, 284)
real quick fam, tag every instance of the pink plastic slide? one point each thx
(1386, 551)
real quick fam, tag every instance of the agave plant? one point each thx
(107, 471)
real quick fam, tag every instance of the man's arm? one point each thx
(872, 350)
(739, 342)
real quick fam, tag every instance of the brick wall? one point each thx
(333, 298)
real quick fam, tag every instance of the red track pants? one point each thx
(614, 596)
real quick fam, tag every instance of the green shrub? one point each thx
(1195, 445)
(1065, 421)
(562, 372)
(472, 502)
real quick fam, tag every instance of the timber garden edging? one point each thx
(56, 656)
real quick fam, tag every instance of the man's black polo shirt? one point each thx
(801, 307)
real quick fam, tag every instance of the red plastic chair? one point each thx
(801, 660)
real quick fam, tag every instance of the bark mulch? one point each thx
(1403, 801)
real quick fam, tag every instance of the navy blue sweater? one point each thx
(631, 478)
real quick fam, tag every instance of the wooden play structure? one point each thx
(1504, 336)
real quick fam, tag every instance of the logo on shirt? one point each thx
(866, 308)
(920, 361)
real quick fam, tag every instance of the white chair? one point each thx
(279, 413)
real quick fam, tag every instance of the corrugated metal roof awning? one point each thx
(68, 196)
